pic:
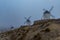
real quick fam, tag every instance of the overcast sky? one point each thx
(12, 12)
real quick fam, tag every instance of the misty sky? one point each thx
(12, 12)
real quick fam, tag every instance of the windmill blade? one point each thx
(29, 17)
(25, 17)
(53, 16)
(24, 22)
(44, 9)
(51, 9)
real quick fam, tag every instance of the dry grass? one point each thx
(41, 30)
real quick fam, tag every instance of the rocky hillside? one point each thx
(40, 30)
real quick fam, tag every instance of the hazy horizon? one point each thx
(12, 12)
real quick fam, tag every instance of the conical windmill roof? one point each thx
(46, 12)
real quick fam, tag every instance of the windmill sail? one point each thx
(28, 21)
(51, 9)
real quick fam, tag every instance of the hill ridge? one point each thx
(40, 30)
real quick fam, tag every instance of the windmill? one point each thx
(12, 27)
(28, 21)
(47, 14)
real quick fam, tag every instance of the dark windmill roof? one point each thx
(46, 12)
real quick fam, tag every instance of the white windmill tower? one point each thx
(28, 21)
(47, 14)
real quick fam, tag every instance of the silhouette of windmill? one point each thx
(28, 21)
(12, 27)
(47, 14)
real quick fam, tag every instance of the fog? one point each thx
(12, 12)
